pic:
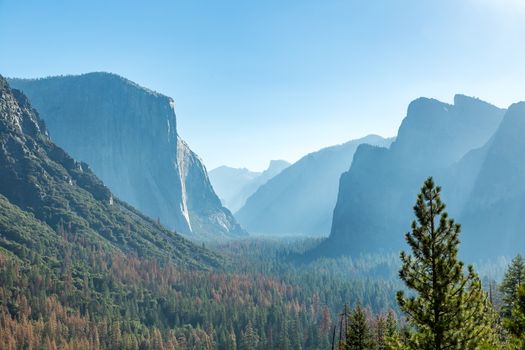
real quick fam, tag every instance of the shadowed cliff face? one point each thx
(128, 134)
(300, 199)
(64, 195)
(376, 196)
(492, 214)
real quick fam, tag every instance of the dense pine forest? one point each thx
(260, 299)
(80, 295)
(262, 175)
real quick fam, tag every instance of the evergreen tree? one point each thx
(358, 334)
(449, 309)
(391, 324)
(115, 336)
(380, 333)
(295, 335)
(284, 338)
(514, 276)
(516, 324)
(232, 339)
(250, 338)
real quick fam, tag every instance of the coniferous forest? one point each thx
(262, 175)
(79, 295)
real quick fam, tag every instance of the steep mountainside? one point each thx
(301, 199)
(235, 186)
(128, 134)
(492, 211)
(374, 205)
(62, 196)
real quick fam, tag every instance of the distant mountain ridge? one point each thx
(128, 134)
(228, 181)
(45, 193)
(300, 200)
(235, 185)
(471, 148)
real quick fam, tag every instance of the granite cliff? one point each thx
(128, 135)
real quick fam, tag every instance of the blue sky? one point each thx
(260, 80)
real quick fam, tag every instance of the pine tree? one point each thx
(232, 339)
(514, 276)
(358, 334)
(449, 309)
(295, 335)
(284, 338)
(516, 324)
(391, 324)
(115, 336)
(250, 338)
(380, 329)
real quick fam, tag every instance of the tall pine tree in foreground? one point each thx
(448, 308)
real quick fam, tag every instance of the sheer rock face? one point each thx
(300, 200)
(63, 194)
(376, 196)
(128, 134)
(492, 214)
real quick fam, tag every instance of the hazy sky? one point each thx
(261, 80)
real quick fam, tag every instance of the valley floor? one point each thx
(262, 298)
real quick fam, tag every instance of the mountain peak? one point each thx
(433, 136)
(277, 164)
(431, 124)
(101, 80)
(517, 107)
(461, 100)
(424, 104)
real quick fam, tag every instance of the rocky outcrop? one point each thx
(492, 208)
(128, 134)
(376, 196)
(300, 200)
(63, 194)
